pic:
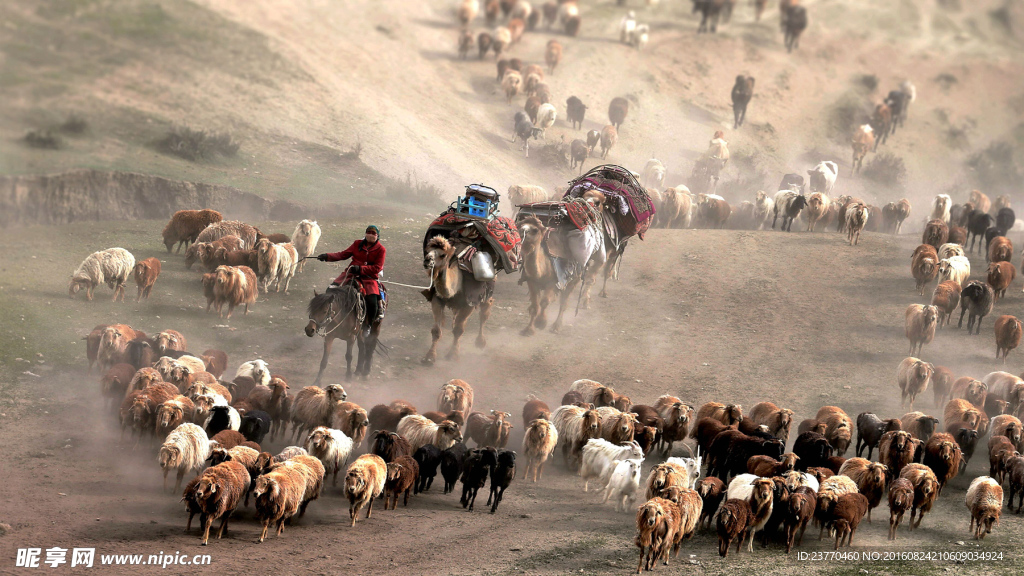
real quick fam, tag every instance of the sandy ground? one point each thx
(800, 319)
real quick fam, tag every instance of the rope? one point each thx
(416, 287)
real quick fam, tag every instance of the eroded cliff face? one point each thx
(96, 195)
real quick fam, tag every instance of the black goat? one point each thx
(452, 460)
(474, 474)
(255, 425)
(813, 450)
(429, 458)
(501, 476)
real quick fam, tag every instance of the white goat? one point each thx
(623, 483)
(598, 456)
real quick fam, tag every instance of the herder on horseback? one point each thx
(353, 305)
(367, 263)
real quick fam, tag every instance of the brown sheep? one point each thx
(896, 450)
(766, 466)
(534, 409)
(676, 416)
(913, 376)
(846, 516)
(957, 235)
(216, 362)
(314, 406)
(901, 499)
(936, 233)
(705, 431)
(553, 54)
(387, 417)
(364, 481)
(712, 491)
(732, 521)
(778, 420)
(171, 414)
(919, 425)
(799, 511)
(489, 430)
(1000, 249)
(609, 136)
(351, 419)
(115, 381)
(1008, 333)
(926, 490)
(594, 392)
(455, 416)
(942, 384)
(870, 478)
(185, 226)
(228, 439)
(920, 325)
(1014, 467)
(1009, 426)
(278, 493)
(924, 267)
(942, 456)
(218, 493)
(401, 477)
(1000, 276)
(727, 414)
(839, 427)
(455, 395)
(656, 523)
(617, 111)
(237, 258)
(145, 273)
(812, 425)
(539, 443)
(235, 286)
(664, 476)
(959, 410)
(829, 493)
(209, 282)
(974, 391)
(985, 501)
(1000, 449)
(616, 426)
(946, 299)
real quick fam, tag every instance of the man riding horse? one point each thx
(367, 257)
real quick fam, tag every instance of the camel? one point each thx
(538, 273)
(450, 287)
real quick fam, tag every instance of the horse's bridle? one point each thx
(321, 329)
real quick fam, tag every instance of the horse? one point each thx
(339, 313)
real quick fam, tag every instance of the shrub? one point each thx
(995, 168)
(194, 145)
(414, 192)
(886, 169)
(75, 124)
(751, 176)
(44, 138)
(868, 81)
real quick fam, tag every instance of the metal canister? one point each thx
(483, 266)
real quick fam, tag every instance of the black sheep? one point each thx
(870, 429)
(993, 232)
(813, 450)
(141, 353)
(501, 476)
(218, 420)
(1005, 219)
(451, 465)
(730, 450)
(977, 224)
(967, 439)
(255, 425)
(474, 474)
(429, 458)
(977, 298)
(389, 446)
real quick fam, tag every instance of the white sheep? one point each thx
(641, 36)
(255, 369)
(305, 238)
(796, 479)
(526, 194)
(741, 487)
(956, 268)
(940, 208)
(763, 206)
(692, 466)
(598, 456)
(823, 177)
(950, 250)
(546, 116)
(332, 447)
(654, 174)
(623, 483)
(186, 448)
(627, 26)
(112, 266)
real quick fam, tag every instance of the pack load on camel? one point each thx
(463, 250)
(566, 242)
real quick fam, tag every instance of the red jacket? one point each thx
(370, 261)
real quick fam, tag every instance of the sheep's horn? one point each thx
(687, 446)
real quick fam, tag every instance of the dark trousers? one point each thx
(372, 307)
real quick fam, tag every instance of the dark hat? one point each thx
(374, 228)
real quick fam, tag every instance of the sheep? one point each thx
(1014, 467)
(218, 493)
(575, 426)
(420, 431)
(727, 414)
(831, 490)
(278, 493)
(428, 458)
(351, 419)
(758, 492)
(114, 385)
(913, 376)
(185, 226)
(959, 410)
(222, 418)
(1008, 333)
(856, 219)
(616, 426)
(676, 416)
(656, 521)
(870, 478)
(666, 475)
(942, 456)
(976, 297)
(1005, 386)
(402, 475)
(924, 266)
(246, 233)
(812, 450)
(712, 492)
(846, 516)
(839, 427)
(575, 111)
(1000, 276)
(1000, 450)
(489, 430)
(552, 54)
(901, 499)
(389, 446)
(524, 194)
(533, 409)
(455, 416)
(1009, 426)
(870, 429)
(811, 425)
(539, 443)
(455, 395)
(598, 458)
(184, 449)
(314, 406)
(732, 520)
(474, 474)
(112, 266)
(145, 273)
(332, 447)
(766, 466)
(511, 84)
(627, 27)
(502, 474)
(974, 391)
(234, 286)
(609, 136)
(364, 481)
(387, 417)
(467, 11)
(730, 451)
(940, 208)
(946, 299)
(926, 487)
(171, 414)
(921, 321)
(305, 238)
(452, 460)
(798, 512)
(985, 501)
